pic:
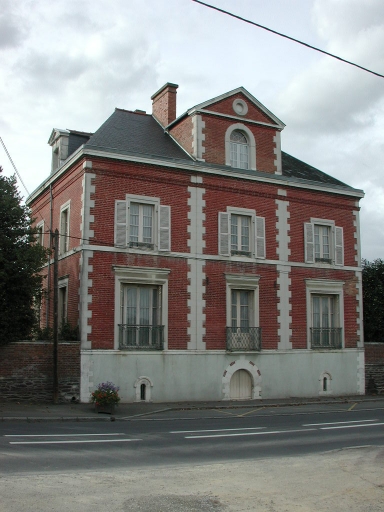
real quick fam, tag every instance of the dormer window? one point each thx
(239, 150)
(240, 147)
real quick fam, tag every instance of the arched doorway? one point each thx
(241, 385)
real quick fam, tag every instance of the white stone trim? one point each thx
(148, 385)
(198, 138)
(196, 305)
(282, 226)
(324, 287)
(284, 307)
(240, 107)
(86, 204)
(359, 309)
(141, 276)
(251, 144)
(85, 298)
(356, 234)
(277, 152)
(251, 368)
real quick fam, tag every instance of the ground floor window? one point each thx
(325, 314)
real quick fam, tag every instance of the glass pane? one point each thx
(131, 301)
(147, 223)
(234, 308)
(325, 238)
(234, 239)
(234, 155)
(154, 307)
(243, 157)
(244, 309)
(244, 233)
(134, 222)
(144, 306)
(316, 312)
(317, 242)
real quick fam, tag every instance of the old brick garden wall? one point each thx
(26, 371)
(374, 364)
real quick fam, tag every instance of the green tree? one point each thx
(21, 259)
(373, 300)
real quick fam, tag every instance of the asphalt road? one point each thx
(187, 438)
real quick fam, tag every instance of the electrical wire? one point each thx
(288, 37)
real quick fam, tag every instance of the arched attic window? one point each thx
(240, 147)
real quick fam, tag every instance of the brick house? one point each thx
(199, 260)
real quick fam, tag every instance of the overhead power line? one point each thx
(13, 165)
(288, 37)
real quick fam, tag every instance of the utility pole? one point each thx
(55, 237)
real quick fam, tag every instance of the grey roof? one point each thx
(127, 132)
(294, 168)
(130, 132)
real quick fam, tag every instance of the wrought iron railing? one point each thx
(141, 337)
(243, 338)
(326, 338)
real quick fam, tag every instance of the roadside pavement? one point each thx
(28, 411)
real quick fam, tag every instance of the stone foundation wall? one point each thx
(26, 371)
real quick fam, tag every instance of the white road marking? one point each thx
(335, 423)
(62, 435)
(214, 430)
(78, 441)
(352, 426)
(251, 433)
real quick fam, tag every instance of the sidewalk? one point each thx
(15, 411)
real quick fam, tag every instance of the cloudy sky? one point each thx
(68, 64)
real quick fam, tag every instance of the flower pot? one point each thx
(105, 409)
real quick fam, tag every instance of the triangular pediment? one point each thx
(239, 103)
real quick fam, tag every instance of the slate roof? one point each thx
(130, 132)
(133, 133)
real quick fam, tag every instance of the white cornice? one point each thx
(186, 166)
(243, 119)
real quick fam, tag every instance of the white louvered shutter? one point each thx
(339, 246)
(224, 234)
(121, 223)
(164, 228)
(309, 241)
(260, 237)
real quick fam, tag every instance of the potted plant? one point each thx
(105, 397)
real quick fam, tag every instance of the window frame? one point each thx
(62, 306)
(161, 224)
(257, 235)
(243, 282)
(64, 237)
(336, 243)
(251, 145)
(322, 288)
(40, 233)
(141, 276)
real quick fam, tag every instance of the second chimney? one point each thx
(164, 104)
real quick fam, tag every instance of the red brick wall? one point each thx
(374, 365)
(26, 371)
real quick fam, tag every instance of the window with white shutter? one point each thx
(142, 223)
(241, 233)
(323, 242)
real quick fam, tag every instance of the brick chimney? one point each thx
(164, 104)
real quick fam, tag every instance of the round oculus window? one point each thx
(240, 107)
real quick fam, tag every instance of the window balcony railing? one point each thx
(141, 337)
(326, 338)
(243, 338)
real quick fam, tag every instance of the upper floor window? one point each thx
(40, 233)
(64, 228)
(142, 223)
(240, 147)
(241, 233)
(239, 150)
(324, 242)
